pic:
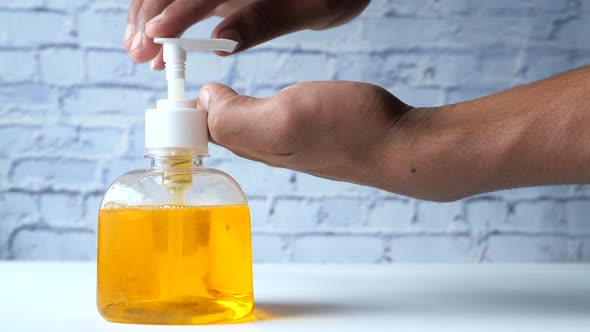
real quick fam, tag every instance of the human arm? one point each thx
(535, 134)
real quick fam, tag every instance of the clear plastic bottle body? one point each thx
(174, 246)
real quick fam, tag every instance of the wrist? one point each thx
(427, 155)
(451, 152)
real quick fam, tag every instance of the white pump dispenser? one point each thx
(175, 126)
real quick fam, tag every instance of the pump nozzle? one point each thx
(175, 57)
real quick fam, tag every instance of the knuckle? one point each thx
(331, 5)
(341, 11)
(220, 128)
(293, 120)
(224, 127)
(260, 20)
(216, 128)
(291, 127)
(341, 6)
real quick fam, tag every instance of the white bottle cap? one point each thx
(175, 126)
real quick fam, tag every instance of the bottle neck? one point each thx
(176, 162)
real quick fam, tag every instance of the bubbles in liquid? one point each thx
(120, 206)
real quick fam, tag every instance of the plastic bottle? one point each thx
(174, 239)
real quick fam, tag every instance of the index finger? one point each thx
(179, 16)
(131, 23)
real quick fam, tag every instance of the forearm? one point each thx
(536, 134)
(551, 132)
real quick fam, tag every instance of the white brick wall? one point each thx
(71, 112)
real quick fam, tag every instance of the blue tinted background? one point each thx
(71, 120)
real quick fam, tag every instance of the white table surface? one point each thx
(498, 298)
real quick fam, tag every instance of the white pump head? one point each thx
(176, 126)
(174, 50)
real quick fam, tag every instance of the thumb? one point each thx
(238, 121)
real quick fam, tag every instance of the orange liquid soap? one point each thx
(174, 264)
